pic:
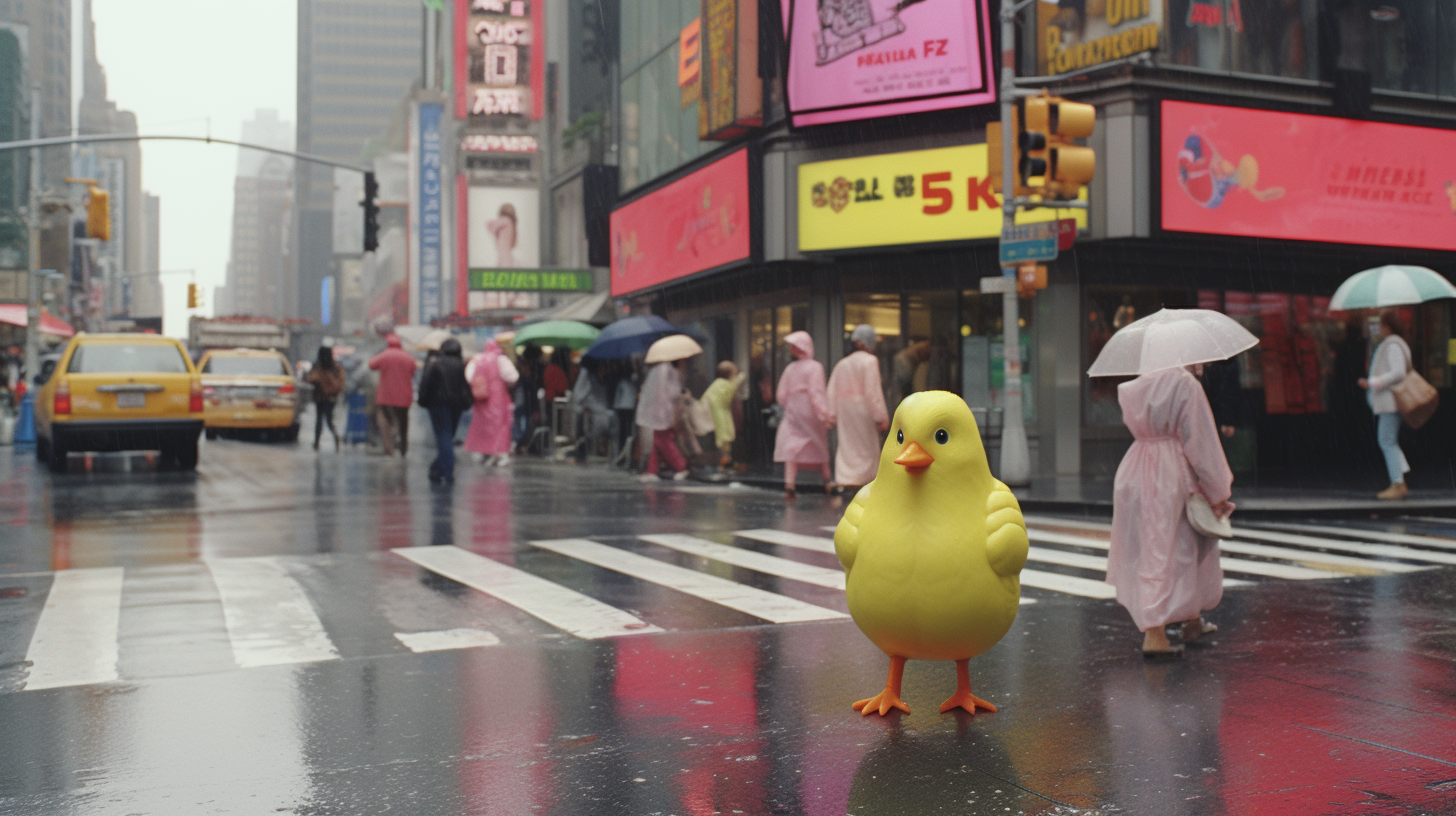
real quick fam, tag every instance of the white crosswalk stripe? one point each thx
(269, 618)
(1438, 542)
(748, 559)
(75, 639)
(566, 609)
(84, 635)
(1321, 562)
(756, 602)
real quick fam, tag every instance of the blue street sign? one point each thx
(1029, 242)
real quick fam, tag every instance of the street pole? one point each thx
(32, 284)
(1015, 457)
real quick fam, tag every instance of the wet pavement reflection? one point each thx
(1314, 697)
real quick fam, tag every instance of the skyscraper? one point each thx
(356, 61)
(259, 272)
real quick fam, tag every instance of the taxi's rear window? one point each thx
(249, 366)
(127, 358)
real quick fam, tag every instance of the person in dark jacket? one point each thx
(445, 393)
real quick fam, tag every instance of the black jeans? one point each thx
(323, 412)
(443, 420)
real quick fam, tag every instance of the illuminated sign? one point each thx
(500, 60)
(1073, 36)
(495, 143)
(856, 59)
(732, 92)
(1234, 171)
(695, 223)
(531, 280)
(431, 185)
(921, 196)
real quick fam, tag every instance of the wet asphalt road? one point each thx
(253, 643)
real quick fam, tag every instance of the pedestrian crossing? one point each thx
(271, 608)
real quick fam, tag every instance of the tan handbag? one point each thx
(1415, 399)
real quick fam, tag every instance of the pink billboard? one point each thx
(857, 59)
(1233, 171)
(695, 223)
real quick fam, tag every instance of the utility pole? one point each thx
(1015, 455)
(32, 279)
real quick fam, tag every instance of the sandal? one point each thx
(791, 494)
(1194, 629)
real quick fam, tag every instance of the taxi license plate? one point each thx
(131, 399)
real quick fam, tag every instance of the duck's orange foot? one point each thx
(882, 702)
(965, 699)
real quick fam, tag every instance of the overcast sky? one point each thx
(184, 66)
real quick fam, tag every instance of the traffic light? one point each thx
(98, 213)
(194, 296)
(1066, 167)
(371, 212)
(1046, 161)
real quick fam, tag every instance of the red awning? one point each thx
(14, 314)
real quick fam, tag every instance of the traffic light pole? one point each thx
(1015, 453)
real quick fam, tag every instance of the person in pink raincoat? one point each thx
(801, 437)
(857, 409)
(1164, 572)
(491, 375)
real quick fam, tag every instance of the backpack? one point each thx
(480, 385)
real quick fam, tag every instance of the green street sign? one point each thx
(531, 280)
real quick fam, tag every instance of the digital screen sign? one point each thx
(697, 222)
(857, 59)
(1235, 171)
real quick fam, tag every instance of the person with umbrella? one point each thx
(1382, 288)
(1388, 366)
(661, 400)
(1164, 570)
(802, 440)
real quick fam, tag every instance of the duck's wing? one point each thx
(846, 535)
(1006, 541)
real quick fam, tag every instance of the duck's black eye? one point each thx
(941, 436)
(900, 437)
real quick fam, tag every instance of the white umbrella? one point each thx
(673, 347)
(1390, 286)
(1171, 338)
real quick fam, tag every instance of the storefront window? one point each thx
(983, 357)
(1269, 37)
(659, 134)
(1406, 45)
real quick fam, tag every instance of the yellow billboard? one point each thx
(916, 197)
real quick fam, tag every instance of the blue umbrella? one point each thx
(629, 336)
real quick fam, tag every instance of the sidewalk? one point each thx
(1093, 497)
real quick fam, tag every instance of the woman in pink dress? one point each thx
(1163, 570)
(491, 376)
(503, 227)
(857, 408)
(801, 437)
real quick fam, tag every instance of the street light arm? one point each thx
(53, 141)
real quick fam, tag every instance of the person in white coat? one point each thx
(1388, 366)
(857, 407)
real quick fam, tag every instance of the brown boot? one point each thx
(1397, 490)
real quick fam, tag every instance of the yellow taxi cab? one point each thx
(116, 392)
(248, 389)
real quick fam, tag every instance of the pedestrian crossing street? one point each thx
(109, 624)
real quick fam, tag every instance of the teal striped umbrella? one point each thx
(1390, 286)
(568, 333)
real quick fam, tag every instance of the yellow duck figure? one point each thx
(932, 548)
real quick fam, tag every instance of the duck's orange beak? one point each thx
(914, 458)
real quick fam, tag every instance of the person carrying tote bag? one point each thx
(1391, 369)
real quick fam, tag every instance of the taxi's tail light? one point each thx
(194, 401)
(62, 402)
(286, 388)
